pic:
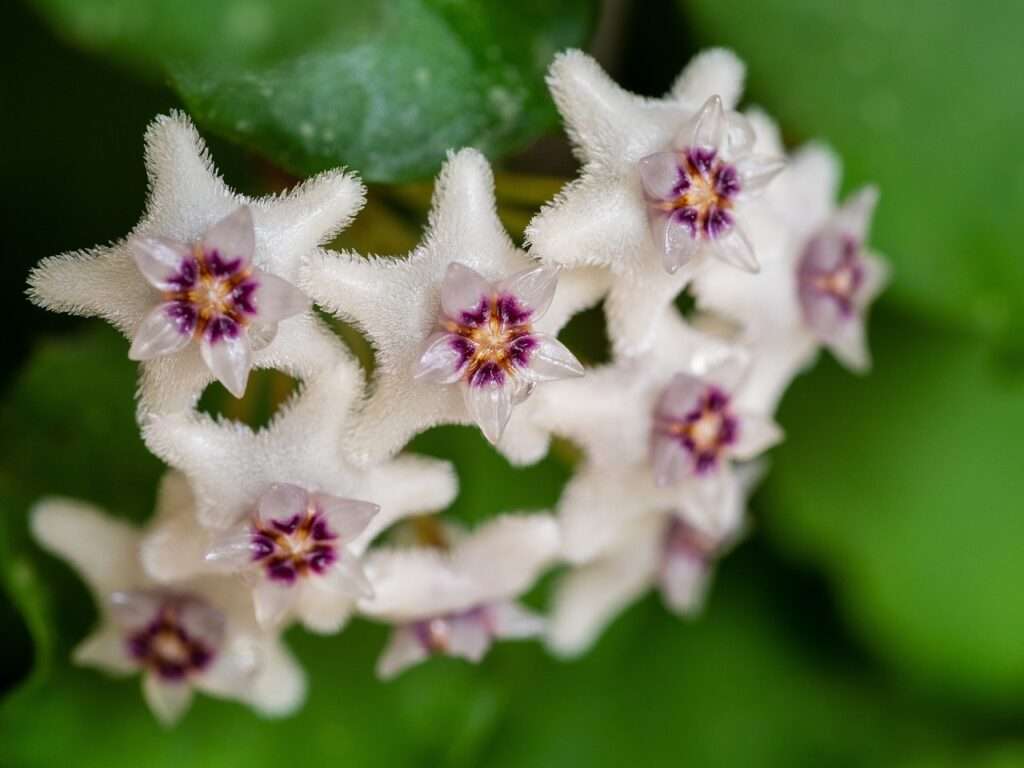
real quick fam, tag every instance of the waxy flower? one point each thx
(294, 546)
(837, 279)
(465, 307)
(196, 635)
(665, 183)
(817, 279)
(697, 428)
(622, 480)
(660, 549)
(206, 264)
(250, 486)
(486, 343)
(211, 294)
(458, 599)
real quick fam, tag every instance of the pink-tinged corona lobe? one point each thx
(487, 343)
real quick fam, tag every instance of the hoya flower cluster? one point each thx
(321, 516)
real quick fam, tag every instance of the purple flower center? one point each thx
(831, 269)
(492, 340)
(294, 547)
(167, 647)
(704, 193)
(705, 431)
(211, 295)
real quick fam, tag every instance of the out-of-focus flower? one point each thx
(817, 279)
(295, 547)
(458, 598)
(659, 549)
(196, 635)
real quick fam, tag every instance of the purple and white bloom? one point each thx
(697, 428)
(661, 549)
(616, 484)
(837, 279)
(808, 293)
(399, 303)
(230, 469)
(294, 549)
(665, 184)
(212, 294)
(198, 635)
(207, 264)
(693, 190)
(458, 600)
(486, 342)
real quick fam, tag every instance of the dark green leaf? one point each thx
(383, 87)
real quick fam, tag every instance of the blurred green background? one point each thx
(874, 618)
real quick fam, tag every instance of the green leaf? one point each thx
(906, 487)
(920, 97)
(385, 88)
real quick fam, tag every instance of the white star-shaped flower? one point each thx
(198, 634)
(817, 279)
(665, 184)
(265, 493)
(463, 327)
(659, 549)
(458, 599)
(204, 284)
(667, 443)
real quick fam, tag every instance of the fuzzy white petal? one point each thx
(757, 434)
(715, 71)
(588, 597)
(102, 549)
(511, 620)
(105, 649)
(279, 687)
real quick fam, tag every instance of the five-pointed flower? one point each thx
(295, 545)
(211, 293)
(664, 446)
(210, 265)
(660, 549)
(250, 485)
(486, 343)
(817, 279)
(195, 635)
(463, 327)
(458, 599)
(663, 183)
